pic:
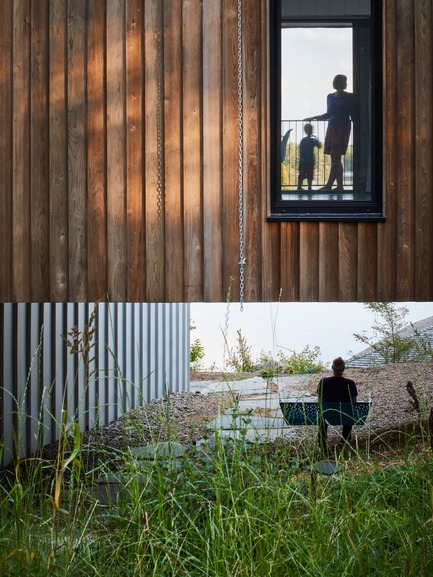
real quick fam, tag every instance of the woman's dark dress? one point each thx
(339, 117)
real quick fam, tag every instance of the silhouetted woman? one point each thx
(339, 116)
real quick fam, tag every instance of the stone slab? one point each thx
(163, 450)
(258, 435)
(252, 403)
(227, 422)
(326, 468)
(258, 413)
(246, 386)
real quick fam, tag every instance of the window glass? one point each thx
(326, 97)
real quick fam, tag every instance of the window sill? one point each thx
(328, 217)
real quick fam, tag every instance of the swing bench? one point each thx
(297, 413)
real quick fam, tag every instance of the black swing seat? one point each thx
(300, 412)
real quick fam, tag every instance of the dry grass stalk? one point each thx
(414, 401)
(430, 426)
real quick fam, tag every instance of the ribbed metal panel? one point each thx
(139, 352)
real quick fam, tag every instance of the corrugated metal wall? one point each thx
(138, 352)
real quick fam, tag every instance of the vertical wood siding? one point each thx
(119, 160)
(139, 352)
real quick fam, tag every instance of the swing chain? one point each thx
(242, 258)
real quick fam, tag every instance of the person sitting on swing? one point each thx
(336, 389)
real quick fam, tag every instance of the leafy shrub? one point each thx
(306, 361)
(196, 352)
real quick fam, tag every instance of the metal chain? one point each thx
(159, 73)
(242, 259)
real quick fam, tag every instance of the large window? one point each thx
(326, 90)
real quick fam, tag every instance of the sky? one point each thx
(287, 326)
(310, 59)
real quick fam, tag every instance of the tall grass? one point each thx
(228, 509)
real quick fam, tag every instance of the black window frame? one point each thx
(320, 210)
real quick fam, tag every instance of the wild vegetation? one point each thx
(239, 359)
(221, 508)
(225, 509)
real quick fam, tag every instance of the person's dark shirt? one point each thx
(306, 149)
(333, 389)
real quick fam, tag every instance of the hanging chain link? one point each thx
(159, 73)
(242, 259)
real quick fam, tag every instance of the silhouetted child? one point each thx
(306, 156)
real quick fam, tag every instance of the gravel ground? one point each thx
(386, 387)
(185, 416)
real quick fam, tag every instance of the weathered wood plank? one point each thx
(309, 261)
(212, 151)
(230, 156)
(58, 154)
(154, 177)
(6, 145)
(251, 64)
(405, 244)
(328, 261)
(40, 227)
(423, 151)
(136, 249)
(174, 241)
(116, 149)
(96, 164)
(367, 261)
(289, 262)
(386, 290)
(192, 161)
(271, 261)
(21, 251)
(347, 261)
(77, 181)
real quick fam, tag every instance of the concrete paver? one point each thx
(255, 413)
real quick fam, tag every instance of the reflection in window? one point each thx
(326, 78)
